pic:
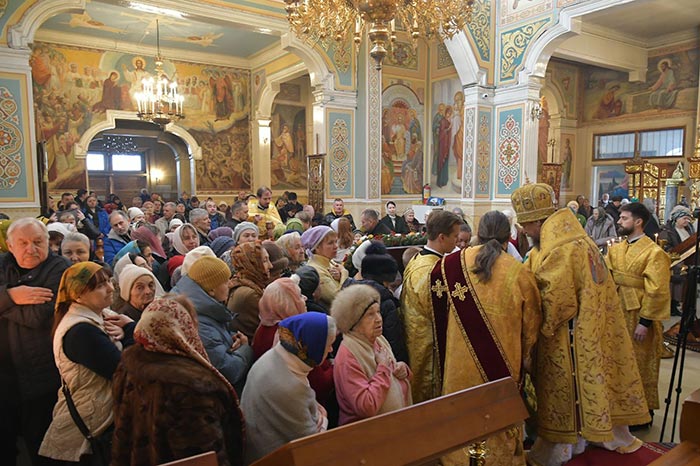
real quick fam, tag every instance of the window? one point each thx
(650, 143)
(99, 162)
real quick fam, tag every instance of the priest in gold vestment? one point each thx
(442, 229)
(586, 378)
(263, 213)
(512, 317)
(641, 270)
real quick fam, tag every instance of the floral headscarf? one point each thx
(307, 336)
(75, 280)
(147, 236)
(247, 259)
(177, 238)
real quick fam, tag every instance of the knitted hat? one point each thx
(221, 231)
(128, 276)
(222, 244)
(135, 212)
(294, 224)
(194, 255)
(313, 237)
(277, 257)
(241, 227)
(359, 254)
(534, 201)
(173, 263)
(209, 272)
(379, 267)
(308, 280)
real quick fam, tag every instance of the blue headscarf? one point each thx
(128, 248)
(305, 336)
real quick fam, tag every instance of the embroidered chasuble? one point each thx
(270, 214)
(586, 378)
(642, 273)
(509, 304)
(417, 314)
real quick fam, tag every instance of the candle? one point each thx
(656, 238)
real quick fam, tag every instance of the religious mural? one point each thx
(564, 77)
(447, 132)
(611, 179)
(567, 156)
(288, 147)
(671, 85)
(402, 141)
(75, 87)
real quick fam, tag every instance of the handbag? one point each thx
(102, 444)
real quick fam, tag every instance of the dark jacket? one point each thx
(168, 407)
(379, 229)
(330, 216)
(131, 311)
(401, 226)
(613, 211)
(392, 325)
(28, 327)
(214, 319)
(99, 218)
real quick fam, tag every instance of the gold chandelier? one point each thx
(159, 102)
(315, 20)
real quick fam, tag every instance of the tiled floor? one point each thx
(690, 383)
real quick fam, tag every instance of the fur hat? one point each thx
(351, 304)
(379, 267)
(222, 244)
(209, 272)
(308, 280)
(221, 231)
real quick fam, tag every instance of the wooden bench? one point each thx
(688, 452)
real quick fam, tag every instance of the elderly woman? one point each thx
(601, 227)
(413, 224)
(170, 402)
(137, 287)
(679, 228)
(252, 264)
(368, 379)
(291, 247)
(321, 246)
(76, 247)
(277, 401)
(146, 235)
(245, 232)
(184, 239)
(87, 343)
(281, 299)
(278, 260)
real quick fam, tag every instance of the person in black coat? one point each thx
(395, 223)
(379, 269)
(308, 283)
(370, 223)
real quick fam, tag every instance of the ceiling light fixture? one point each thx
(315, 20)
(156, 10)
(159, 101)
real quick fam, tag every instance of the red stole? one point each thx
(451, 290)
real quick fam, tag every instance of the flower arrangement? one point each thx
(411, 239)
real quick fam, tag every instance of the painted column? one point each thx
(19, 180)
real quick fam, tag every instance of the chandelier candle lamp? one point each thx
(159, 102)
(316, 20)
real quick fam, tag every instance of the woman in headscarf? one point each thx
(368, 379)
(278, 260)
(252, 264)
(321, 247)
(292, 248)
(137, 247)
(137, 287)
(184, 239)
(601, 227)
(278, 402)
(281, 299)
(413, 224)
(87, 344)
(170, 402)
(679, 228)
(146, 235)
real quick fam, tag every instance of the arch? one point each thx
(553, 96)
(22, 34)
(272, 88)
(319, 73)
(540, 51)
(464, 60)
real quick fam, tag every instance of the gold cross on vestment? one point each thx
(438, 288)
(460, 291)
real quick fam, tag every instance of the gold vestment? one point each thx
(270, 214)
(417, 314)
(586, 380)
(642, 273)
(511, 304)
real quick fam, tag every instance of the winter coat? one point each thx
(113, 243)
(601, 232)
(29, 326)
(214, 319)
(169, 407)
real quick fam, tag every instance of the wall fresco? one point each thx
(288, 147)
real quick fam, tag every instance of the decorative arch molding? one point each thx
(540, 51)
(272, 88)
(80, 148)
(320, 75)
(22, 34)
(464, 60)
(554, 98)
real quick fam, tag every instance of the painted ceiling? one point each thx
(196, 35)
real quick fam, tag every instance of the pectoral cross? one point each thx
(460, 292)
(438, 288)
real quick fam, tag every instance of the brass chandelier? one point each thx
(315, 20)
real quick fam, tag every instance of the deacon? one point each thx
(641, 270)
(416, 306)
(586, 378)
(262, 212)
(482, 333)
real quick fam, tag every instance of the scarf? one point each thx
(177, 238)
(364, 353)
(306, 336)
(130, 247)
(281, 299)
(248, 263)
(147, 236)
(75, 280)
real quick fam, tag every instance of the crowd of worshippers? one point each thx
(201, 331)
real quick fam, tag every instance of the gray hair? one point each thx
(25, 222)
(285, 241)
(119, 213)
(76, 237)
(170, 204)
(197, 214)
(371, 214)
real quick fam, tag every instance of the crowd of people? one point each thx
(144, 334)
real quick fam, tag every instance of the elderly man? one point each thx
(586, 378)
(169, 211)
(338, 211)
(202, 223)
(118, 236)
(29, 381)
(370, 223)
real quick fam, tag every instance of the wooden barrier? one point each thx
(688, 452)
